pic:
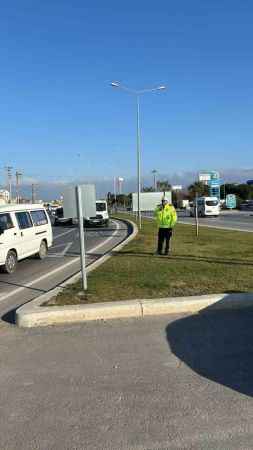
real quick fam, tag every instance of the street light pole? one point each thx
(154, 172)
(138, 161)
(137, 94)
(18, 179)
(9, 180)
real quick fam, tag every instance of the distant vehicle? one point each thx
(59, 218)
(183, 204)
(102, 215)
(207, 206)
(247, 205)
(25, 230)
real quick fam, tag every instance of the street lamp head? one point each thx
(161, 88)
(115, 84)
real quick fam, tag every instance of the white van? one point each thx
(207, 206)
(25, 230)
(102, 215)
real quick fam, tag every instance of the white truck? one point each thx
(102, 216)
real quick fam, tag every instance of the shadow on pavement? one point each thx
(10, 317)
(218, 345)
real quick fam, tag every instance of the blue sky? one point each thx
(59, 118)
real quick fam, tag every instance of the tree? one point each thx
(148, 189)
(198, 188)
(163, 185)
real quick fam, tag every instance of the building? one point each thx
(4, 196)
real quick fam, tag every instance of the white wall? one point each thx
(149, 200)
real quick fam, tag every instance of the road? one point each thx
(171, 382)
(34, 277)
(239, 220)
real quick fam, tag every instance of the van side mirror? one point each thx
(2, 228)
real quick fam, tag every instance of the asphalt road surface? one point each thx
(34, 277)
(174, 382)
(241, 221)
(234, 220)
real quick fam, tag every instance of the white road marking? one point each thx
(63, 234)
(57, 269)
(94, 249)
(63, 252)
(37, 280)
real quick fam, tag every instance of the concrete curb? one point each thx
(33, 308)
(32, 315)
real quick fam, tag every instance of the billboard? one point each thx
(204, 177)
(209, 176)
(149, 200)
(88, 193)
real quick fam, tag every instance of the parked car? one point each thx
(247, 205)
(25, 230)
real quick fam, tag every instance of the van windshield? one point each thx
(101, 206)
(211, 202)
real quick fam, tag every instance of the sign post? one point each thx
(81, 234)
(196, 216)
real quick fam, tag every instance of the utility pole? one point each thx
(9, 179)
(34, 191)
(18, 180)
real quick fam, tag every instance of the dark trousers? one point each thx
(164, 235)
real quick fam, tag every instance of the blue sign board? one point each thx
(230, 201)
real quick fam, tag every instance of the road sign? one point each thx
(230, 201)
(80, 202)
(88, 196)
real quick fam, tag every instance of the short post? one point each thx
(81, 234)
(196, 215)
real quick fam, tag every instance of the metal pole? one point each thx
(115, 193)
(33, 193)
(9, 177)
(18, 178)
(138, 159)
(196, 215)
(81, 235)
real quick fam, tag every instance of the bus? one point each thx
(207, 206)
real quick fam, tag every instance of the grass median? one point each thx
(218, 261)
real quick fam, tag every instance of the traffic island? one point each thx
(215, 269)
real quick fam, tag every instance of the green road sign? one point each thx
(230, 201)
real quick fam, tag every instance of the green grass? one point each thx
(218, 261)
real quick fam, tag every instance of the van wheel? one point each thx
(10, 262)
(42, 251)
